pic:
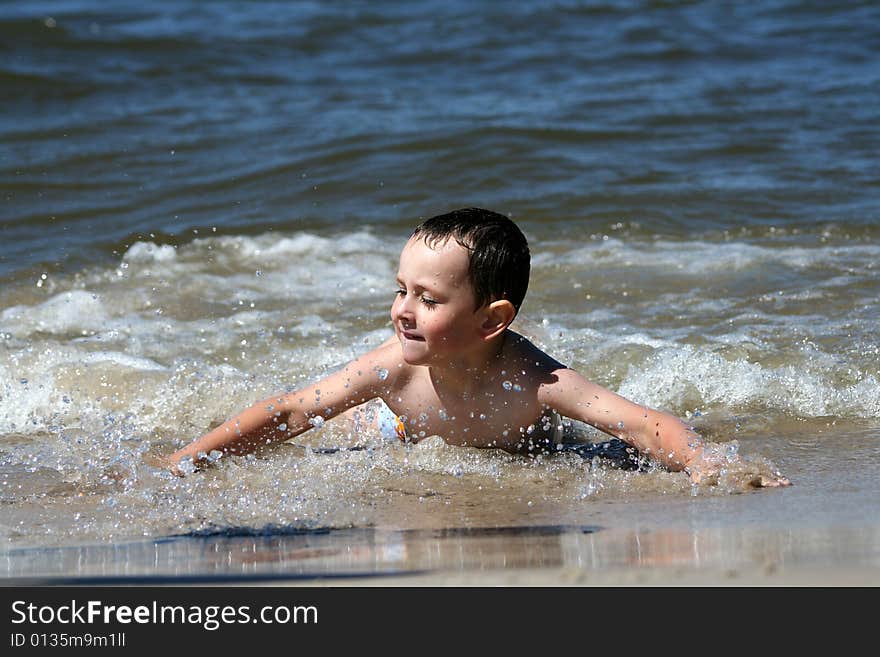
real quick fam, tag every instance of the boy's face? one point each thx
(433, 312)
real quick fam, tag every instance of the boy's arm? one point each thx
(660, 435)
(287, 415)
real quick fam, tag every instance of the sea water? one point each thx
(203, 205)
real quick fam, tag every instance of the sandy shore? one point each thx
(556, 577)
(539, 556)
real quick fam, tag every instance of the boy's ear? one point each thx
(498, 316)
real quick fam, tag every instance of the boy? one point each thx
(455, 369)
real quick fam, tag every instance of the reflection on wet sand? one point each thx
(440, 554)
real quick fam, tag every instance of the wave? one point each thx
(696, 257)
(292, 307)
(684, 377)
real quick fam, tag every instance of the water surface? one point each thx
(203, 204)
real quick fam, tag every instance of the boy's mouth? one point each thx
(408, 335)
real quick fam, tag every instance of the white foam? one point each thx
(68, 312)
(141, 252)
(298, 268)
(61, 385)
(701, 257)
(274, 249)
(122, 360)
(685, 376)
(311, 325)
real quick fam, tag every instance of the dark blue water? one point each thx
(202, 203)
(121, 119)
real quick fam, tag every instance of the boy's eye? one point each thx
(428, 301)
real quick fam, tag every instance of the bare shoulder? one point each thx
(381, 367)
(555, 380)
(522, 354)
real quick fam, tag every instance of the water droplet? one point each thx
(443, 414)
(382, 373)
(258, 273)
(507, 385)
(317, 421)
(186, 465)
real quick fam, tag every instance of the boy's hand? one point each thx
(763, 481)
(722, 461)
(699, 478)
(163, 463)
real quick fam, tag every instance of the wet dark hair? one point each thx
(498, 251)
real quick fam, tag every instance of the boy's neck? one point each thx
(466, 373)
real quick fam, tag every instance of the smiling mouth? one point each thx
(412, 336)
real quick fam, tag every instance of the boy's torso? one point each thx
(500, 409)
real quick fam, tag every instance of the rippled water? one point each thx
(203, 204)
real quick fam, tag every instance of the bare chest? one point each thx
(506, 418)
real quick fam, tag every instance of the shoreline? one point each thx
(663, 577)
(823, 576)
(524, 556)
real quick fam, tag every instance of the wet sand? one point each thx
(499, 556)
(665, 577)
(664, 560)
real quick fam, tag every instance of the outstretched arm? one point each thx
(287, 415)
(268, 421)
(657, 434)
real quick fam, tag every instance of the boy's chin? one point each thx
(414, 353)
(415, 358)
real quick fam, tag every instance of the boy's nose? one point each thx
(401, 308)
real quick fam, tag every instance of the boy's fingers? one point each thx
(762, 481)
(163, 463)
(757, 481)
(699, 478)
